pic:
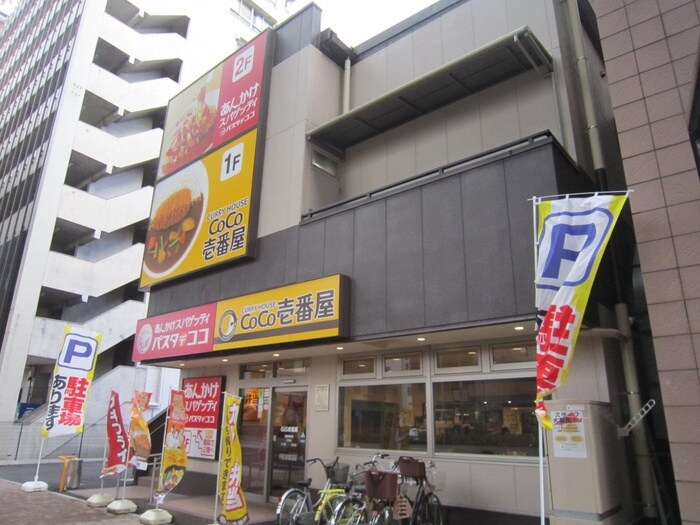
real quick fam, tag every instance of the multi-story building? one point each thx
(386, 298)
(651, 58)
(82, 104)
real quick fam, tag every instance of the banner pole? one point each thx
(104, 463)
(41, 451)
(161, 496)
(221, 448)
(540, 438)
(540, 432)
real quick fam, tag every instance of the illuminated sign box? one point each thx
(205, 201)
(311, 310)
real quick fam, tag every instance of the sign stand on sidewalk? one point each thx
(122, 506)
(102, 499)
(36, 485)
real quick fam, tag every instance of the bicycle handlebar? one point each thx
(325, 465)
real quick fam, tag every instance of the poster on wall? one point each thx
(568, 433)
(203, 404)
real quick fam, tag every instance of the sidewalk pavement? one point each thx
(71, 506)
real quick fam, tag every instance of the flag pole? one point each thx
(221, 448)
(540, 433)
(36, 485)
(161, 496)
(102, 499)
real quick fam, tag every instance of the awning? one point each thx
(510, 55)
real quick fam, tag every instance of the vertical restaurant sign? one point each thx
(174, 460)
(72, 377)
(572, 234)
(119, 451)
(184, 332)
(224, 103)
(298, 312)
(202, 215)
(229, 491)
(203, 405)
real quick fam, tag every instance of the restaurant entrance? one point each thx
(273, 440)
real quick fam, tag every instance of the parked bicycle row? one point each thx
(378, 492)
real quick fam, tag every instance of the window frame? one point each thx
(438, 370)
(526, 365)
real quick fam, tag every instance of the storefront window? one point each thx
(451, 359)
(402, 363)
(514, 353)
(382, 417)
(291, 367)
(256, 371)
(358, 366)
(486, 417)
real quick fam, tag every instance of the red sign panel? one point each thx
(216, 108)
(203, 404)
(185, 332)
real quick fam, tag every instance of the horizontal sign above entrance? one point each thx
(184, 332)
(316, 309)
(299, 312)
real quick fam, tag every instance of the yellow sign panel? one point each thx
(201, 215)
(308, 310)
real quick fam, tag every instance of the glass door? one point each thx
(288, 451)
(254, 436)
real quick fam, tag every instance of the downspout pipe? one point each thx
(645, 469)
(346, 85)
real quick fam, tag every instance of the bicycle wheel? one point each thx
(351, 511)
(293, 503)
(430, 511)
(382, 516)
(329, 507)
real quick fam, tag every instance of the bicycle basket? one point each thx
(339, 473)
(411, 467)
(358, 477)
(381, 485)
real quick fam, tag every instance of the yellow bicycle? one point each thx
(296, 506)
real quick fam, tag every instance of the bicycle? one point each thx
(354, 509)
(373, 494)
(296, 506)
(427, 509)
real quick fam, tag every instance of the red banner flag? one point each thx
(119, 451)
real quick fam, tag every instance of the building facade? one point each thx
(84, 90)
(651, 57)
(387, 299)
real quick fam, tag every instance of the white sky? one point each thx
(354, 21)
